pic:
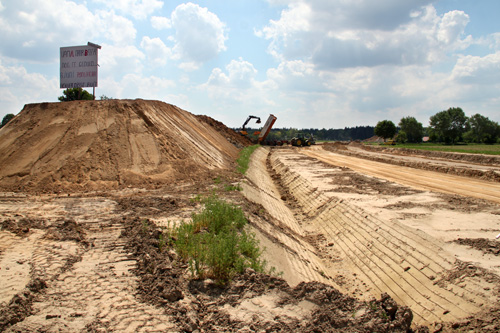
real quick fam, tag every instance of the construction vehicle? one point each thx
(264, 132)
(301, 141)
(390, 142)
(243, 130)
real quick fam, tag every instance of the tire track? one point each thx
(301, 256)
(89, 288)
(388, 256)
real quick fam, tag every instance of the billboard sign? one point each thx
(78, 66)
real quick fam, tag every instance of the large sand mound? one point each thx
(94, 145)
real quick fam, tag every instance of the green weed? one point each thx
(244, 158)
(229, 188)
(161, 242)
(215, 243)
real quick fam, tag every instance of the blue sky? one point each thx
(316, 63)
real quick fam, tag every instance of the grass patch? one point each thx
(244, 158)
(229, 188)
(459, 148)
(216, 244)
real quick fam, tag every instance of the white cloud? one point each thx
(117, 29)
(452, 27)
(116, 61)
(199, 34)
(240, 75)
(160, 22)
(342, 34)
(478, 70)
(151, 87)
(157, 52)
(138, 9)
(35, 30)
(19, 87)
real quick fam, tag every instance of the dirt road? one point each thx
(420, 179)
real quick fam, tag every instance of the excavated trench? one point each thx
(328, 239)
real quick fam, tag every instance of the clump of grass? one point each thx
(229, 188)
(216, 244)
(244, 158)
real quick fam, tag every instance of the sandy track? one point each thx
(421, 179)
(381, 254)
(88, 287)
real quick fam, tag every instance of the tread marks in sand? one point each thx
(88, 286)
(386, 255)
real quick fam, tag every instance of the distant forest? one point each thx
(346, 134)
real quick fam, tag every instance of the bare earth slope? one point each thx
(88, 145)
(350, 221)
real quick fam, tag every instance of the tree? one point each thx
(413, 130)
(385, 129)
(481, 129)
(401, 137)
(449, 125)
(8, 117)
(75, 94)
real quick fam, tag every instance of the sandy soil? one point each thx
(392, 238)
(89, 187)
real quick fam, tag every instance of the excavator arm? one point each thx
(243, 131)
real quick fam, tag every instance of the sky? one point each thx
(311, 63)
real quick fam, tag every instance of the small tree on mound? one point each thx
(8, 117)
(75, 94)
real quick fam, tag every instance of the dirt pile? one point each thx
(232, 136)
(98, 145)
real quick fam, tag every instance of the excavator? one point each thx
(264, 132)
(243, 130)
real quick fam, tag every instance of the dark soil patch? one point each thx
(165, 281)
(482, 244)
(353, 182)
(22, 227)
(20, 306)
(67, 230)
(464, 204)
(149, 205)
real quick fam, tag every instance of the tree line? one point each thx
(449, 127)
(345, 134)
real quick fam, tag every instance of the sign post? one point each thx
(79, 66)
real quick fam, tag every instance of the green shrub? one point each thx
(216, 244)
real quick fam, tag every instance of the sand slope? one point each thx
(85, 145)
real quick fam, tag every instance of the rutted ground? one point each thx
(372, 229)
(87, 255)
